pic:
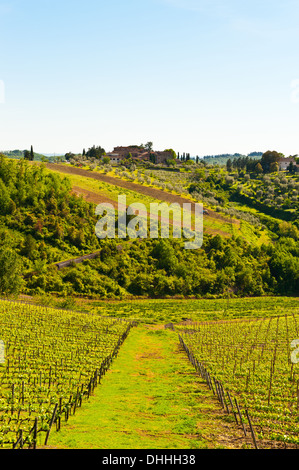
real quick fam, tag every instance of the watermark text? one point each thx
(163, 221)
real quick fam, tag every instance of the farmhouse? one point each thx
(138, 154)
(161, 157)
(285, 162)
(114, 157)
(121, 153)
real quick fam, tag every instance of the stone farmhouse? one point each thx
(285, 162)
(138, 154)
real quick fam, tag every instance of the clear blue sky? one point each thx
(200, 76)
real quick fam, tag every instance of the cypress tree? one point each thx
(26, 155)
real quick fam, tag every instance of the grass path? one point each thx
(151, 398)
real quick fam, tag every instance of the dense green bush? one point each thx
(161, 268)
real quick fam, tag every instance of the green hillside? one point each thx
(43, 222)
(239, 289)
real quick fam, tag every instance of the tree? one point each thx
(292, 168)
(287, 229)
(258, 168)
(149, 146)
(95, 152)
(29, 246)
(174, 156)
(5, 201)
(199, 174)
(69, 156)
(11, 280)
(31, 154)
(229, 165)
(216, 243)
(27, 155)
(270, 157)
(274, 167)
(165, 255)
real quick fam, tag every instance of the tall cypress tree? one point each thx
(31, 154)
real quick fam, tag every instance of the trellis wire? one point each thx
(219, 392)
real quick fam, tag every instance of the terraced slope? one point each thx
(213, 221)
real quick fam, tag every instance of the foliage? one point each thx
(269, 159)
(11, 281)
(173, 154)
(95, 152)
(43, 222)
(41, 218)
(50, 357)
(161, 268)
(252, 360)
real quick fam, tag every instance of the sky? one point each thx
(204, 77)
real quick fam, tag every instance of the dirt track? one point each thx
(93, 197)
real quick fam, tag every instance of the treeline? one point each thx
(233, 155)
(163, 268)
(268, 163)
(222, 155)
(244, 163)
(26, 154)
(92, 153)
(41, 221)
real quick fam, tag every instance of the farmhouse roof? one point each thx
(288, 159)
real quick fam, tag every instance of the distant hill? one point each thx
(221, 159)
(53, 154)
(37, 156)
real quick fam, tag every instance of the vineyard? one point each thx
(250, 364)
(54, 358)
(53, 361)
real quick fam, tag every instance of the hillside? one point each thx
(17, 154)
(239, 288)
(44, 222)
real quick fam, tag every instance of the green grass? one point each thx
(150, 399)
(163, 311)
(151, 396)
(50, 355)
(153, 311)
(251, 358)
